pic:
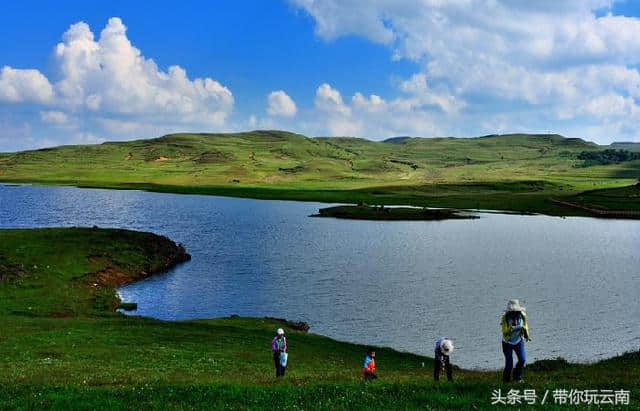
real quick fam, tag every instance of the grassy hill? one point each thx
(511, 172)
(63, 346)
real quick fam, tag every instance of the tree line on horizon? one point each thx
(608, 156)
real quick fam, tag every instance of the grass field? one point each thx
(62, 345)
(515, 172)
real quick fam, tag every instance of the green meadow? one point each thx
(516, 172)
(63, 345)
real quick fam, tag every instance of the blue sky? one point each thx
(320, 67)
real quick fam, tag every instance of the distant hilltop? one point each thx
(516, 172)
(626, 145)
(399, 139)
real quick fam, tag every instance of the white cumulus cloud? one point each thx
(112, 76)
(20, 85)
(280, 104)
(374, 117)
(563, 63)
(108, 82)
(329, 100)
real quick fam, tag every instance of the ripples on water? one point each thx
(401, 284)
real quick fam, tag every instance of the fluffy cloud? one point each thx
(561, 62)
(109, 82)
(415, 112)
(111, 76)
(329, 100)
(367, 21)
(280, 104)
(333, 114)
(17, 85)
(423, 95)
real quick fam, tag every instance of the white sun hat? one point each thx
(446, 347)
(514, 305)
(280, 331)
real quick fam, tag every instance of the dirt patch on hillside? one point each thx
(291, 170)
(128, 157)
(111, 276)
(212, 157)
(161, 158)
(404, 162)
(273, 179)
(466, 162)
(9, 271)
(167, 256)
(64, 313)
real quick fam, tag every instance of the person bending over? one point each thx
(444, 348)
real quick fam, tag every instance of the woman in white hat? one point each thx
(444, 348)
(278, 346)
(515, 330)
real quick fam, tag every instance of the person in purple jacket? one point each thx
(278, 346)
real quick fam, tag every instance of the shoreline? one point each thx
(305, 327)
(314, 196)
(117, 278)
(293, 325)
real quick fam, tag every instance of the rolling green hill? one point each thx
(509, 172)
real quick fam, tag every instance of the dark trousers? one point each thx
(508, 350)
(279, 368)
(439, 362)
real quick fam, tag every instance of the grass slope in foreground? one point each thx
(63, 346)
(517, 172)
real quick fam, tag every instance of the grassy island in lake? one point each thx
(63, 345)
(365, 212)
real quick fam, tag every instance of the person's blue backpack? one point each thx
(283, 359)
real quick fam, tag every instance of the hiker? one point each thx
(369, 366)
(279, 346)
(515, 330)
(444, 348)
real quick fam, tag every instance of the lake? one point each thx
(398, 284)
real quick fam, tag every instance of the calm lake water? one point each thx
(400, 284)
